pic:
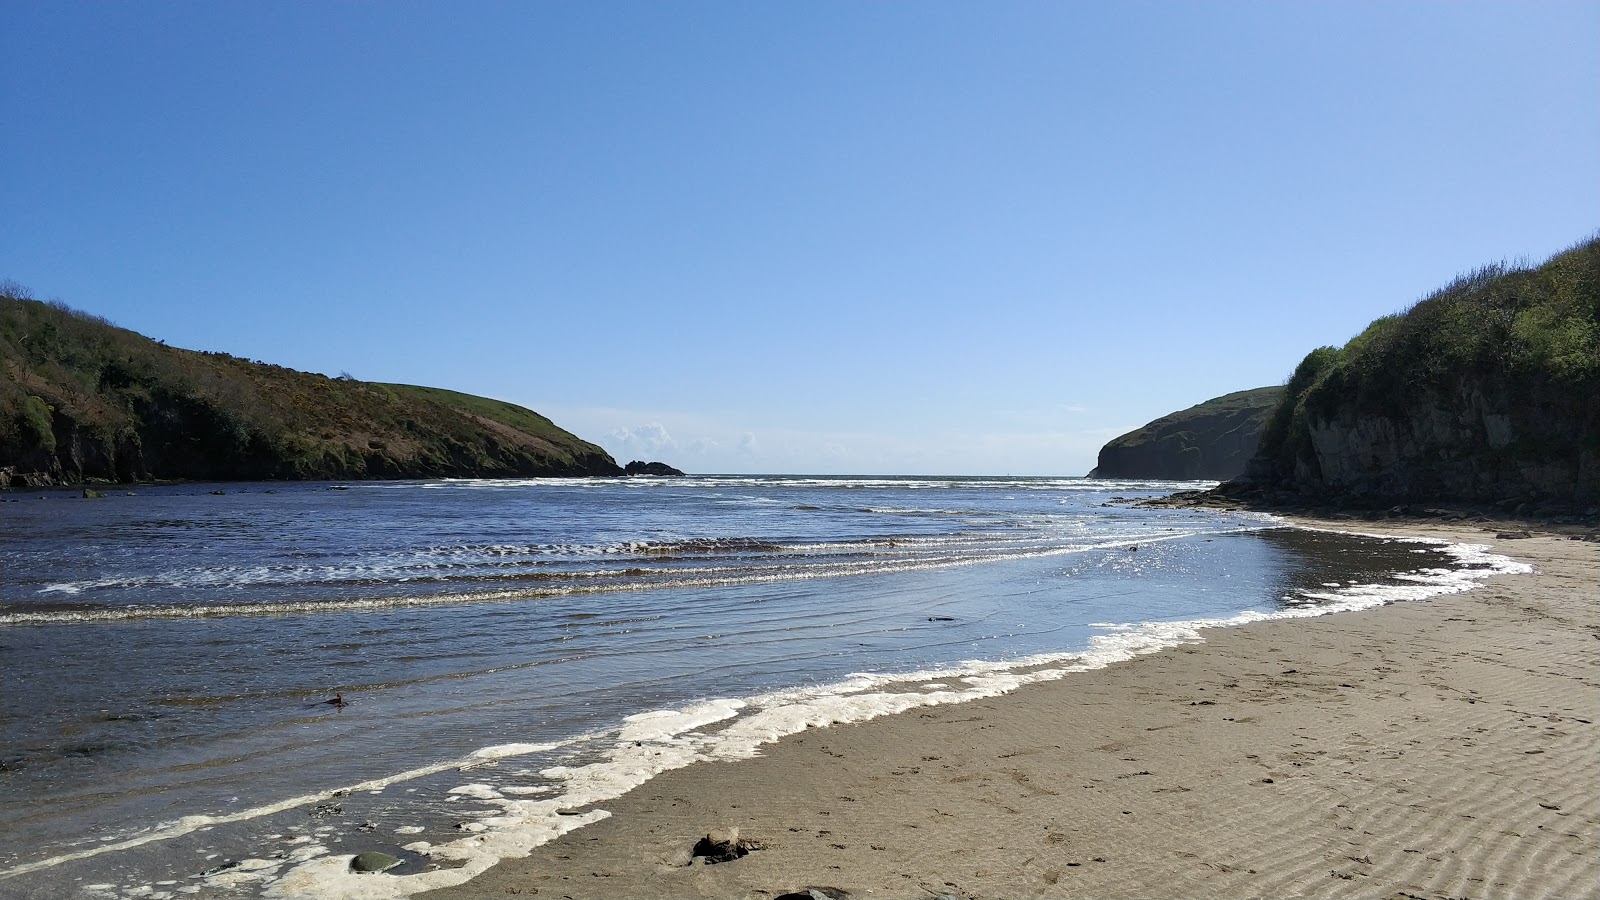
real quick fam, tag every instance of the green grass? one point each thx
(1263, 399)
(84, 398)
(500, 411)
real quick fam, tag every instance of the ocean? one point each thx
(511, 654)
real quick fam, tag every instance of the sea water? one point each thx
(511, 654)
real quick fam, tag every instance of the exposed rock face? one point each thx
(1484, 440)
(638, 467)
(1213, 440)
(1486, 392)
(1452, 445)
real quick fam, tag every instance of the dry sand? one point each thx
(1445, 749)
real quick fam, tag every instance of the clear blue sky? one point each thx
(818, 237)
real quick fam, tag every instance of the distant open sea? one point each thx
(513, 653)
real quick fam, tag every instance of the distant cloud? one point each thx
(748, 443)
(648, 439)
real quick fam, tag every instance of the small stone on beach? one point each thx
(724, 845)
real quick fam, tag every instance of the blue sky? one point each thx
(814, 237)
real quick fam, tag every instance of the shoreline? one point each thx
(1433, 749)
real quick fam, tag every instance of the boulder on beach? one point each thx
(373, 861)
(723, 845)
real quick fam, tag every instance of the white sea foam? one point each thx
(190, 824)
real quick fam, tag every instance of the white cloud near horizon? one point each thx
(650, 439)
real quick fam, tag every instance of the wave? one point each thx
(917, 554)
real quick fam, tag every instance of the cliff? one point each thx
(1486, 392)
(83, 399)
(1212, 440)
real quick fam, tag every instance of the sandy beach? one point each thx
(1442, 749)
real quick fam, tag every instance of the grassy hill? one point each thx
(1211, 440)
(83, 399)
(1486, 391)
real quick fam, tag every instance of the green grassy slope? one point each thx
(1486, 391)
(81, 398)
(1210, 440)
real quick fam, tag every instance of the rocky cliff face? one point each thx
(1211, 441)
(1460, 445)
(1487, 392)
(1480, 441)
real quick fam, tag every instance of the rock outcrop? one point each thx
(639, 467)
(1211, 441)
(81, 399)
(1487, 392)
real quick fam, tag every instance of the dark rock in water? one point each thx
(941, 618)
(91, 494)
(724, 845)
(373, 861)
(639, 467)
(816, 892)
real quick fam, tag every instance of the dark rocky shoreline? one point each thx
(1555, 517)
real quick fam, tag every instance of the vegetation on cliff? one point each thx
(1486, 391)
(1211, 440)
(82, 399)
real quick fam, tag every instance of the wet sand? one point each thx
(1444, 749)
